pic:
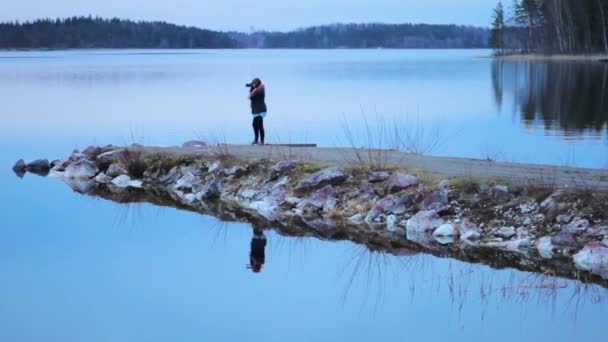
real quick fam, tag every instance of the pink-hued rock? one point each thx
(400, 181)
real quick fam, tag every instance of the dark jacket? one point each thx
(257, 101)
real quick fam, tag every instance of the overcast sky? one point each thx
(260, 14)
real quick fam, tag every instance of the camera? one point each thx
(249, 85)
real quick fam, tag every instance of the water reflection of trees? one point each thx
(566, 96)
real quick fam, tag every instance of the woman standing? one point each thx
(257, 94)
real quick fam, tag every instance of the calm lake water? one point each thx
(77, 268)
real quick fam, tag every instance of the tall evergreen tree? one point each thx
(498, 28)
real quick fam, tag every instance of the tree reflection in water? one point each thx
(570, 97)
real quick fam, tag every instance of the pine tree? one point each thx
(498, 27)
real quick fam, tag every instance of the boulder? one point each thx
(380, 207)
(400, 181)
(318, 180)
(325, 199)
(19, 168)
(103, 178)
(545, 247)
(267, 201)
(424, 221)
(235, 171)
(513, 245)
(116, 169)
(437, 200)
(470, 235)
(39, 167)
(284, 166)
(378, 176)
(211, 190)
(187, 181)
(401, 204)
(447, 229)
(499, 193)
(554, 210)
(81, 186)
(391, 223)
(565, 240)
(109, 157)
(82, 169)
(121, 181)
(593, 258)
(366, 192)
(213, 166)
(505, 232)
(466, 226)
(577, 225)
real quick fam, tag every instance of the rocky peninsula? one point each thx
(389, 206)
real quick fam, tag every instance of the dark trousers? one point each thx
(258, 128)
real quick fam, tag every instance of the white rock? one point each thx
(136, 184)
(121, 181)
(593, 258)
(545, 247)
(445, 230)
(357, 218)
(189, 197)
(214, 166)
(391, 223)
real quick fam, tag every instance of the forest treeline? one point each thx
(551, 26)
(363, 36)
(89, 32)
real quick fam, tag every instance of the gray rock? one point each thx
(187, 182)
(499, 192)
(424, 221)
(378, 176)
(109, 157)
(121, 181)
(194, 144)
(321, 199)
(116, 169)
(577, 225)
(103, 178)
(235, 171)
(400, 181)
(39, 167)
(366, 192)
(81, 186)
(593, 258)
(401, 205)
(435, 201)
(505, 232)
(284, 166)
(81, 169)
(318, 180)
(447, 229)
(527, 208)
(443, 184)
(380, 207)
(597, 231)
(268, 199)
(554, 210)
(565, 240)
(470, 235)
(211, 190)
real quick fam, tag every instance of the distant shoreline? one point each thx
(553, 57)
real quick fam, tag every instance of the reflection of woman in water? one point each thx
(257, 256)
